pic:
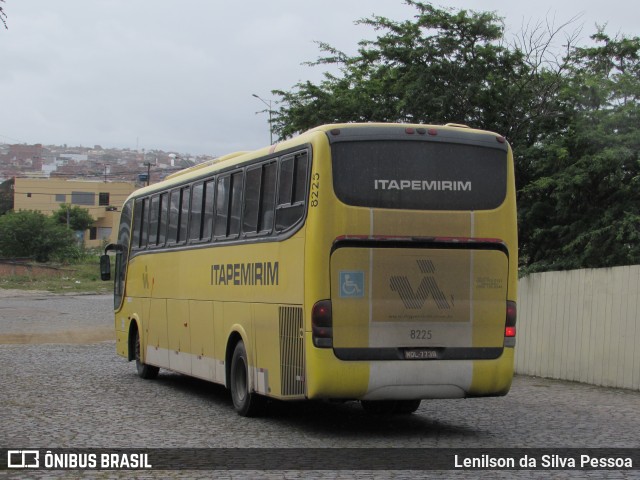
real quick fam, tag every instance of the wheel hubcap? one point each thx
(240, 382)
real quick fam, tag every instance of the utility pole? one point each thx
(148, 165)
(269, 110)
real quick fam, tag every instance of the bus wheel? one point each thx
(246, 403)
(379, 407)
(145, 371)
(407, 406)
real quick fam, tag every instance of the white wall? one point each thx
(581, 325)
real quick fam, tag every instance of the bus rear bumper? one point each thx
(407, 379)
(410, 392)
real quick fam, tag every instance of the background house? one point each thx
(104, 201)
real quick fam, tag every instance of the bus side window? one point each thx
(228, 206)
(235, 209)
(267, 197)
(252, 200)
(164, 208)
(222, 206)
(137, 224)
(174, 216)
(195, 222)
(300, 179)
(286, 181)
(144, 235)
(184, 214)
(207, 217)
(259, 199)
(153, 220)
(292, 190)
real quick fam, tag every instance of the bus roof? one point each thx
(208, 163)
(238, 158)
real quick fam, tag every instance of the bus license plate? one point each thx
(420, 354)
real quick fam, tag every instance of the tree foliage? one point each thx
(3, 16)
(6, 196)
(583, 207)
(571, 116)
(444, 66)
(78, 218)
(30, 234)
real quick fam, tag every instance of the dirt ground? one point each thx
(8, 293)
(40, 317)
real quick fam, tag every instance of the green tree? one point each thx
(3, 16)
(6, 196)
(30, 234)
(79, 218)
(583, 207)
(443, 66)
(572, 117)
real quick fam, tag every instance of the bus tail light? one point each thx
(510, 325)
(322, 324)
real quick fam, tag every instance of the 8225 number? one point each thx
(315, 190)
(420, 334)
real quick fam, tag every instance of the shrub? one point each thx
(31, 234)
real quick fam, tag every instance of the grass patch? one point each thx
(82, 277)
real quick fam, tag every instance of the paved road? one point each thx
(79, 394)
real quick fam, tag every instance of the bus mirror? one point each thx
(105, 267)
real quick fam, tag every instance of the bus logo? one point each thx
(351, 284)
(415, 299)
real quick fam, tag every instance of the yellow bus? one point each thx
(370, 262)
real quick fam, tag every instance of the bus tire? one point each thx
(407, 407)
(246, 403)
(379, 407)
(148, 372)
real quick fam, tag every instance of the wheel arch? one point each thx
(234, 338)
(131, 339)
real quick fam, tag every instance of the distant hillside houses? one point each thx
(97, 163)
(42, 178)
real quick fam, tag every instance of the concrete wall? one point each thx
(581, 325)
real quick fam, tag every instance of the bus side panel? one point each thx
(238, 317)
(179, 335)
(122, 333)
(201, 319)
(220, 338)
(158, 342)
(265, 345)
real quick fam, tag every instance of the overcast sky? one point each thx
(179, 76)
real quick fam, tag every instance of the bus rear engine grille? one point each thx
(291, 351)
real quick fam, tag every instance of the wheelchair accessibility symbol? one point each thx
(351, 284)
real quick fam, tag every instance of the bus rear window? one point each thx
(419, 175)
